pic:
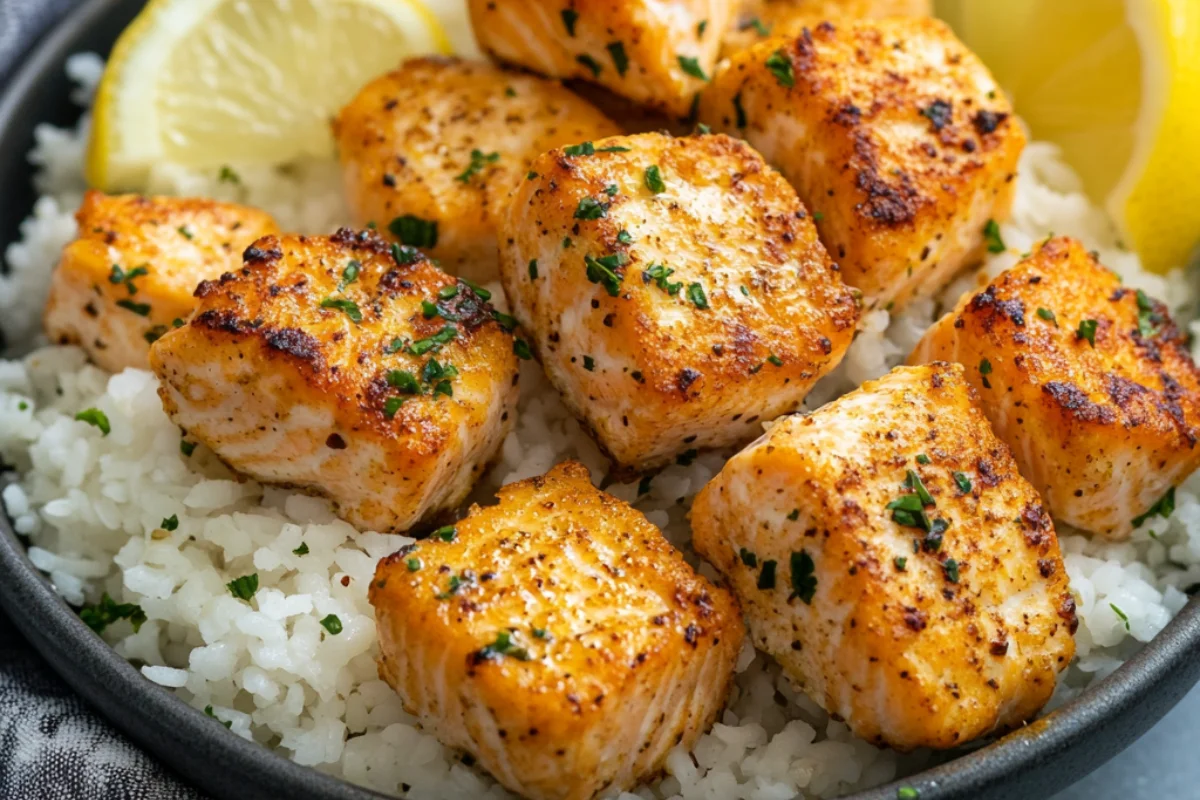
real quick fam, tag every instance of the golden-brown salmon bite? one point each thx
(758, 19)
(658, 53)
(347, 366)
(895, 136)
(674, 289)
(557, 637)
(128, 276)
(1088, 381)
(890, 556)
(430, 152)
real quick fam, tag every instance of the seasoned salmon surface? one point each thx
(1089, 382)
(557, 637)
(129, 275)
(893, 133)
(887, 552)
(658, 53)
(431, 151)
(758, 19)
(342, 365)
(674, 290)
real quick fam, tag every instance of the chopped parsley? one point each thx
(413, 564)
(533, 270)
(521, 349)
(332, 624)
(186, 232)
(603, 271)
(701, 27)
(391, 406)
(414, 231)
(569, 17)
(187, 448)
(591, 208)
(118, 276)
(933, 537)
(908, 510)
(302, 550)
(907, 793)
(480, 292)
(589, 363)
(913, 481)
(243, 588)
(950, 567)
(620, 60)
(766, 577)
(775, 360)
(107, 611)
(695, 293)
(794, 514)
(506, 321)
(1148, 318)
(1162, 507)
(141, 309)
(423, 346)
(447, 533)
(428, 310)
(96, 418)
(170, 523)
(404, 380)
(985, 369)
(804, 579)
(964, 483)
(660, 275)
(692, 67)
(654, 180)
(780, 66)
(900, 562)
(503, 646)
(748, 558)
(591, 63)
(1087, 330)
(227, 175)
(403, 254)
(991, 235)
(208, 711)
(1048, 315)
(479, 160)
(350, 274)
(584, 149)
(347, 307)
(922, 458)
(612, 189)
(1121, 614)
(623, 237)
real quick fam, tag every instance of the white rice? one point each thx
(92, 507)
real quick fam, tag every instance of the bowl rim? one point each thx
(1083, 733)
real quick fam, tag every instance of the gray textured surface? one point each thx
(1165, 763)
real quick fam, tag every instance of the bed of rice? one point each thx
(92, 506)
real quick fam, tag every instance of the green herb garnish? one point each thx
(96, 418)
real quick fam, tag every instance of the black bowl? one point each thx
(1044, 757)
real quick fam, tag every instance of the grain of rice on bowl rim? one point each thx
(93, 507)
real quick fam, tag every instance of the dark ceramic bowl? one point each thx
(1034, 762)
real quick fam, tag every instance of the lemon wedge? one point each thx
(204, 83)
(1115, 83)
